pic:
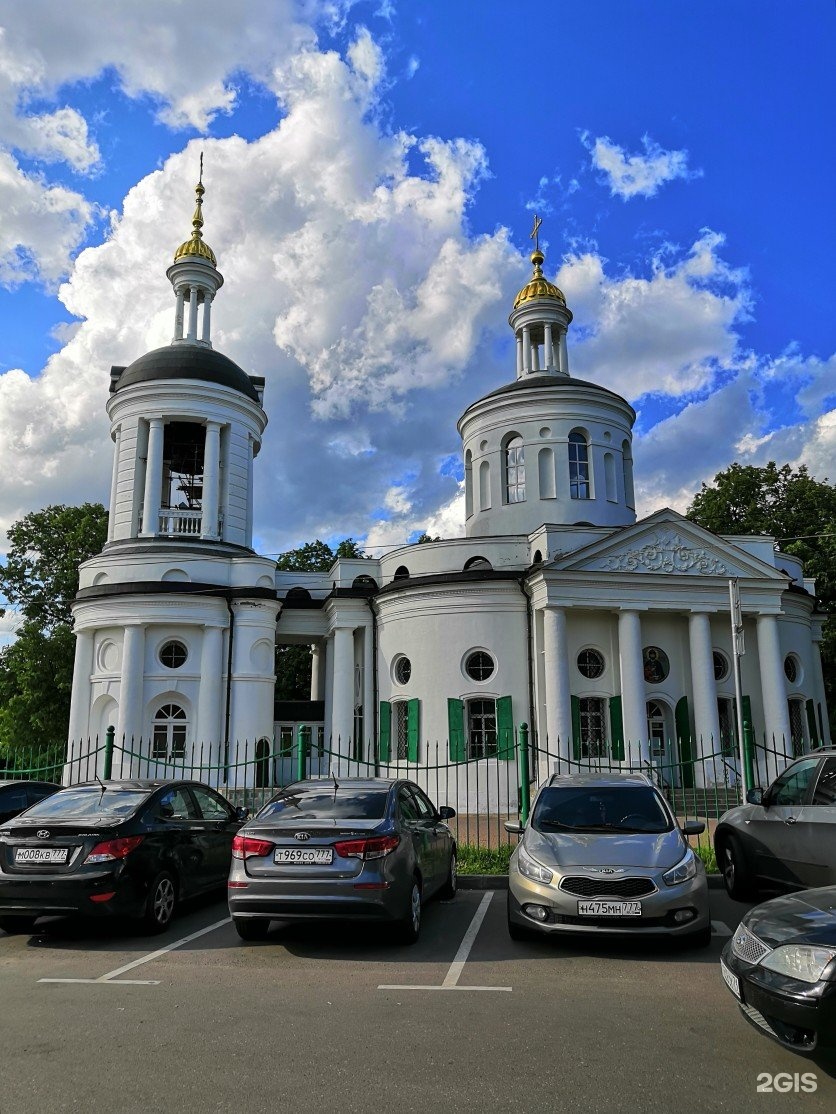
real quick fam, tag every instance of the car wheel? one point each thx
(517, 931)
(17, 925)
(409, 926)
(736, 875)
(161, 903)
(451, 884)
(251, 928)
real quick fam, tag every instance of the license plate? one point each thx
(304, 856)
(609, 908)
(731, 980)
(41, 854)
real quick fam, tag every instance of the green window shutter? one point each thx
(576, 727)
(384, 746)
(811, 723)
(617, 728)
(455, 727)
(504, 728)
(412, 729)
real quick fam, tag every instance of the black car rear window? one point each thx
(634, 808)
(89, 801)
(327, 804)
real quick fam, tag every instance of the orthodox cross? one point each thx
(534, 234)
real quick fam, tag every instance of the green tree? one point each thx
(800, 513)
(293, 662)
(40, 578)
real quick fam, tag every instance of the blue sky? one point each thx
(372, 170)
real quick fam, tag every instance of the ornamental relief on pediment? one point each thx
(667, 551)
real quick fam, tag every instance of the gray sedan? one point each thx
(785, 836)
(368, 848)
(604, 853)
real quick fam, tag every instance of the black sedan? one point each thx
(780, 965)
(118, 848)
(15, 796)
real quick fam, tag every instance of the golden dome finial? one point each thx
(196, 245)
(538, 286)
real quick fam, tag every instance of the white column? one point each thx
(556, 668)
(631, 668)
(211, 480)
(774, 690)
(317, 671)
(192, 314)
(208, 730)
(535, 357)
(526, 349)
(548, 347)
(207, 315)
(369, 709)
(704, 688)
(153, 479)
(563, 354)
(131, 686)
(328, 694)
(342, 718)
(819, 697)
(178, 313)
(79, 727)
(248, 540)
(519, 356)
(114, 484)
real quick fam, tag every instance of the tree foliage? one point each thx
(799, 512)
(317, 556)
(40, 578)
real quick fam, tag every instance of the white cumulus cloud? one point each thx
(640, 174)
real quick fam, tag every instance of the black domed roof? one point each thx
(185, 361)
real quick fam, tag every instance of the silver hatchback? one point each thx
(603, 853)
(368, 848)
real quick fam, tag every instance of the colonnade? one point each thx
(192, 295)
(555, 354)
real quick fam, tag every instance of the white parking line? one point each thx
(111, 976)
(451, 979)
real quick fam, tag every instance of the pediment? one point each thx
(667, 543)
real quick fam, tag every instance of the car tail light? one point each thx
(99, 898)
(112, 849)
(371, 847)
(245, 847)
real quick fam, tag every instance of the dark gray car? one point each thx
(784, 836)
(368, 848)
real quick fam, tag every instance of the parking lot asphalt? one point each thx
(338, 1018)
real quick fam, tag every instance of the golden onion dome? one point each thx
(538, 286)
(196, 244)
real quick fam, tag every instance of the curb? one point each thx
(500, 881)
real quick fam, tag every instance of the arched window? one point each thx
(545, 470)
(401, 573)
(579, 485)
(262, 763)
(515, 471)
(168, 740)
(364, 581)
(609, 477)
(627, 467)
(484, 486)
(468, 484)
(296, 595)
(477, 563)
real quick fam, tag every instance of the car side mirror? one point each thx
(242, 814)
(693, 827)
(513, 827)
(446, 813)
(757, 796)
(166, 812)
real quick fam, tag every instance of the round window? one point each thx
(721, 666)
(479, 666)
(791, 669)
(173, 654)
(590, 663)
(402, 670)
(656, 665)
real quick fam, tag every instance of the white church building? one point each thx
(557, 608)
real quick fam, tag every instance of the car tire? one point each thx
(161, 903)
(451, 883)
(251, 928)
(408, 928)
(737, 877)
(16, 926)
(518, 931)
